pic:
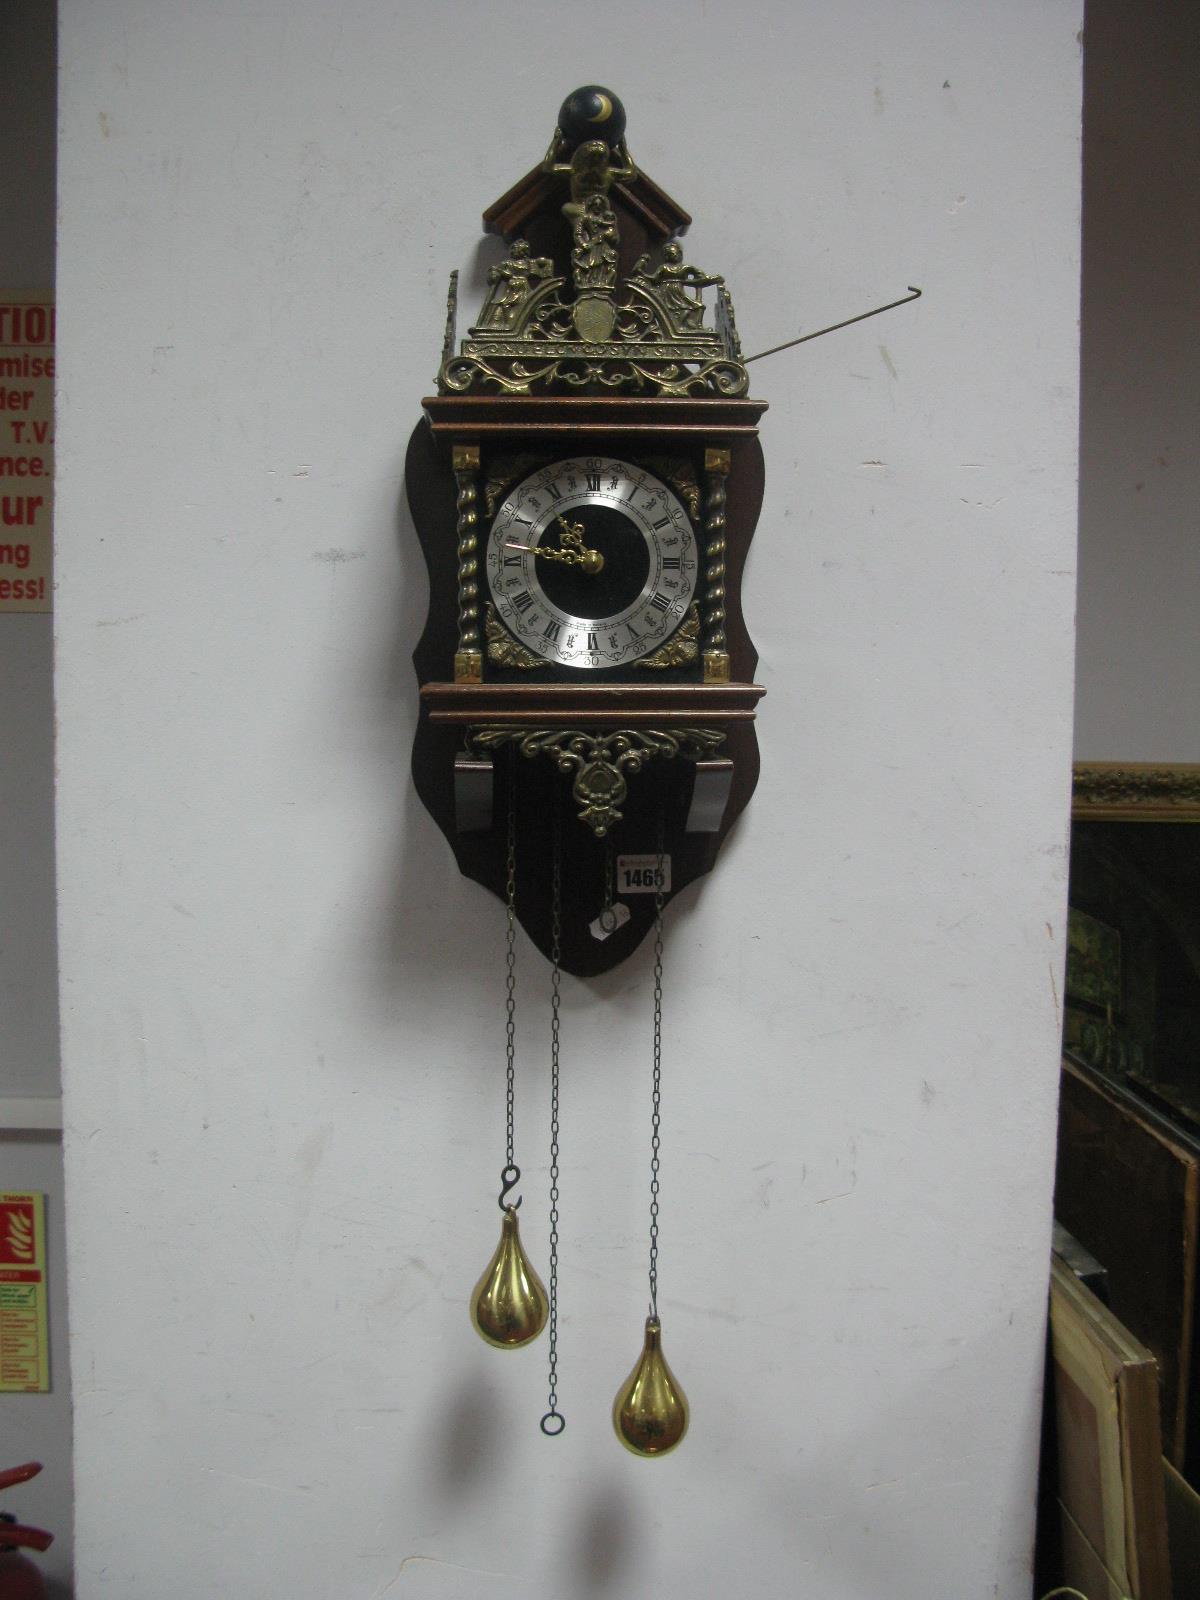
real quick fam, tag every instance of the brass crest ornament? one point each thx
(591, 329)
(598, 762)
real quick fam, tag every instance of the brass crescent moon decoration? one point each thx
(605, 109)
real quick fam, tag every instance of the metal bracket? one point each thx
(473, 792)
(710, 795)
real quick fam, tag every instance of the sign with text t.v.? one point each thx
(26, 449)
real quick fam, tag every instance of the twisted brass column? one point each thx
(716, 656)
(468, 658)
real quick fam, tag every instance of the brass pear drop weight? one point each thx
(508, 1307)
(508, 1304)
(650, 1412)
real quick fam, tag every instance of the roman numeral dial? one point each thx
(592, 615)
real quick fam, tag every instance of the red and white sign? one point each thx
(26, 450)
(24, 1347)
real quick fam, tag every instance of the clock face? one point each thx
(592, 563)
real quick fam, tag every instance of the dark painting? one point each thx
(1133, 970)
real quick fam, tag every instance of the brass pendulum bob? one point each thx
(508, 1305)
(650, 1412)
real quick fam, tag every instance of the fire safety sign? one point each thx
(24, 1351)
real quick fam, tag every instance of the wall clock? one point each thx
(585, 484)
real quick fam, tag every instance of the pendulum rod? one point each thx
(656, 1077)
(511, 1175)
(608, 917)
(554, 1422)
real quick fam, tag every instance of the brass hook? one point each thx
(510, 1178)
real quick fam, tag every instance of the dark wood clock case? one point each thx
(678, 748)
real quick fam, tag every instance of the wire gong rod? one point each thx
(913, 294)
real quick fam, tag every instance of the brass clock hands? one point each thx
(589, 560)
(574, 553)
(572, 533)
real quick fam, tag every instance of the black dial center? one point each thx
(621, 580)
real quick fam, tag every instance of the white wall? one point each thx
(281, 1006)
(32, 1427)
(1138, 655)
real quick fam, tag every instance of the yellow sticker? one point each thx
(24, 1347)
(26, 449)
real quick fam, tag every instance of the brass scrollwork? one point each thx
(599, 761)
(503, 472)
(577, 370)
(680, 648)
(557, 326)
(503, 649)
(681, 475)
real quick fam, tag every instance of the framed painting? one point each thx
(1128, 1188)
(1133, 965)
(1110, 1472)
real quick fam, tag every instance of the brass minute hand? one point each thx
(575, 555)
(569, 558)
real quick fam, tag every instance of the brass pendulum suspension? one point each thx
(508, 1304)
(650, 1412)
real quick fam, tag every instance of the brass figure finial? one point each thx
(562, 326)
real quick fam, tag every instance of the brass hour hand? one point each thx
(572, 538)
(569, 558)
(589, 561)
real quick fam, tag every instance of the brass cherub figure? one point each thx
(672, 282)
(512, 282)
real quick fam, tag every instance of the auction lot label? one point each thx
(26, 449)
(24, 1350)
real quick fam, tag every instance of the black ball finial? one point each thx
(592, 113)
